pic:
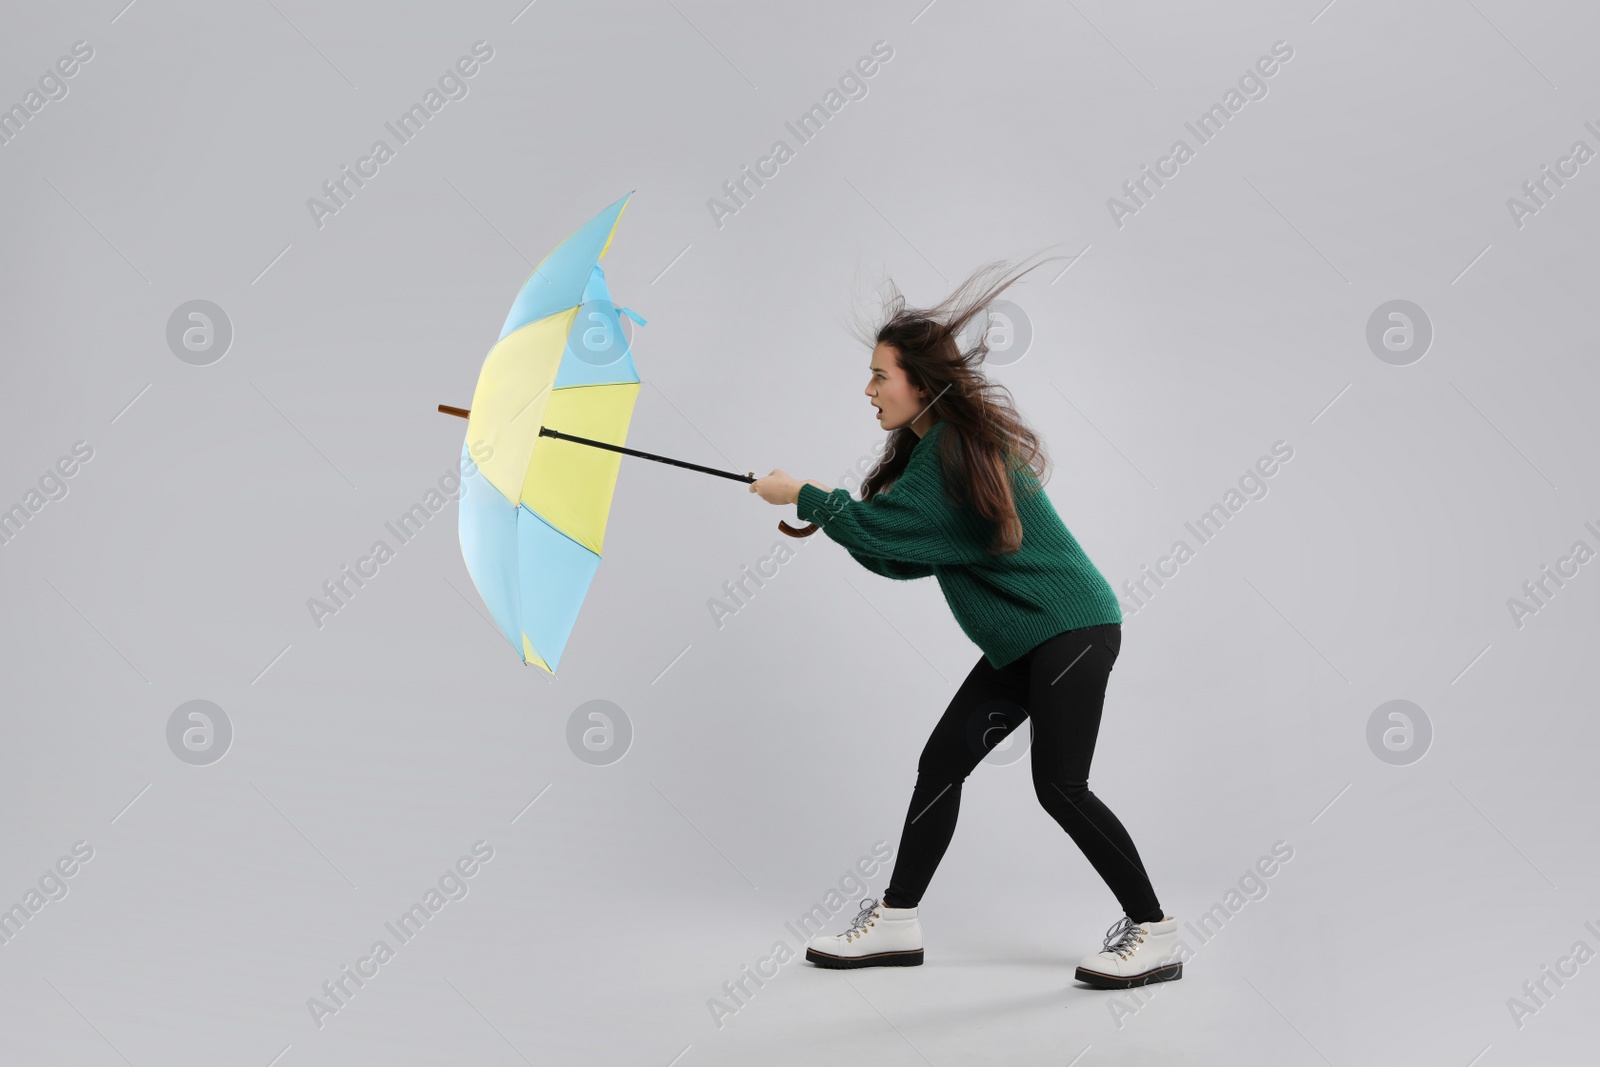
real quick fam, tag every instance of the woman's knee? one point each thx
(945, 759)
(1058, 792)
(934, 779)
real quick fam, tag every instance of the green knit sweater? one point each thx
(1005, 604)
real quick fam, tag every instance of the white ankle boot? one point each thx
(1134, 954)
(878, 937)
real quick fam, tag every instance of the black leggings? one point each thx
(1061, 684)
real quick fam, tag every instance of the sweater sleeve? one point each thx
(898, 525)
(891, 568)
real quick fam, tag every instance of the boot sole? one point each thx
(1169, 973)
(906, 958)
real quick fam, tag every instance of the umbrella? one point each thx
(544, 443)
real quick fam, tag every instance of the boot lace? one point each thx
(863, 919)
(1124, 936)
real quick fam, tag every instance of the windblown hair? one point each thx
(941, 349)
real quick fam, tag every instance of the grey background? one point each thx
(769, 754)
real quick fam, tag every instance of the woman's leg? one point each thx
(986, 708)
(1067, 685)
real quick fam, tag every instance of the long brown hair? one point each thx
(986, 440)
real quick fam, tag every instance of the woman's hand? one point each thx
(777, 488)
(781, 488)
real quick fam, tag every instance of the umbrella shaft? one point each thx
(545, 431)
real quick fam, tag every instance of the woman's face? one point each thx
(891, 392)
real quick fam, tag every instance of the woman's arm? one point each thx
(906, 526)
(892, 568)
(900, 525)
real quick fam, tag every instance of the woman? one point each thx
(967, 507)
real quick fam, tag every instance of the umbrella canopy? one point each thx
(534, 506)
